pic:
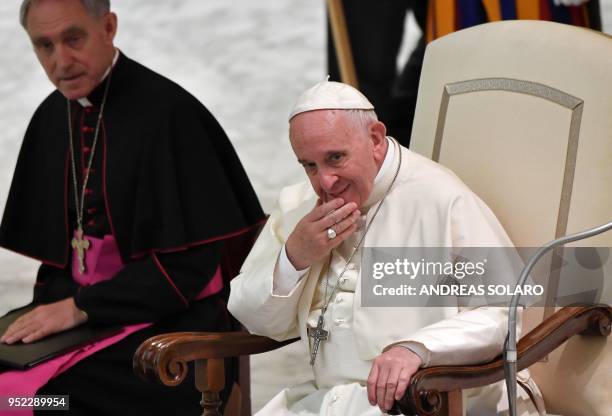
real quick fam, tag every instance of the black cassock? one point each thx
(167, 184)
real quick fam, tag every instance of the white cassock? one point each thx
(427, 206)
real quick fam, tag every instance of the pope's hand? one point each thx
(43, 321)
(310, 242)
(389, 377)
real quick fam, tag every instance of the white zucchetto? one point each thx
(330, 95)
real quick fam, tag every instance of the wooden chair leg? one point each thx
(210, 380)
(245, 384)
(455, 403)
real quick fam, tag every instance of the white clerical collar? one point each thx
(385, 175)
(387, 162)
(85, 101)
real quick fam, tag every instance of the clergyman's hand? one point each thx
(43, 321)
(390, 374)
(309, 241)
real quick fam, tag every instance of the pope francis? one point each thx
(303, 274)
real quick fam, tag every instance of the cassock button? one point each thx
(91, 210)
(334, 398)
(338, 321)
(88, 192)
(87, 129)
(91, 223)
(88, 110)
(86, 149)
(338, 299)
(351, 266)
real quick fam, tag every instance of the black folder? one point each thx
(23, 356)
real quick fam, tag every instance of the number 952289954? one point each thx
(35, 402)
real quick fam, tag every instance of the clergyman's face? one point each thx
(340, 157)
(74, 48)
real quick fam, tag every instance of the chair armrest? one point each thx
(428, 387)
(164, 358)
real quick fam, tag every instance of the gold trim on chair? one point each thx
(536, 90)
(541, 91)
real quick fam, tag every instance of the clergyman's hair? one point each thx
(362, 118)
(95, 8)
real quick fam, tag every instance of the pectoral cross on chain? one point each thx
(81, 245)
(317, 334)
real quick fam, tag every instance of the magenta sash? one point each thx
(102, 262)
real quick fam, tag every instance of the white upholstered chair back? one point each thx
(522, 112)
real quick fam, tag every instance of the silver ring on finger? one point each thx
(331, 233)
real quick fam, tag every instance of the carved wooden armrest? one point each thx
(164, 359)
(437, 390)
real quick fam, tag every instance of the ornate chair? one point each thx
(520, 110)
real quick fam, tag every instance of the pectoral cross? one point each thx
(81, 245)
(317, 334)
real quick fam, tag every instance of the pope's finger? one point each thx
(402, 383)
(381, 386)
(372, 379)
(340, 238)
(325, 208)
(391, 386)
(339, 215)
(346, 222)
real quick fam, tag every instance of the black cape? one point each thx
(172, 179)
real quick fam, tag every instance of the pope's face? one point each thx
(340, 157)
(74, 48)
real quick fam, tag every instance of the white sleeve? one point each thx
(261, 297)
(286, 277)
(471, 336)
